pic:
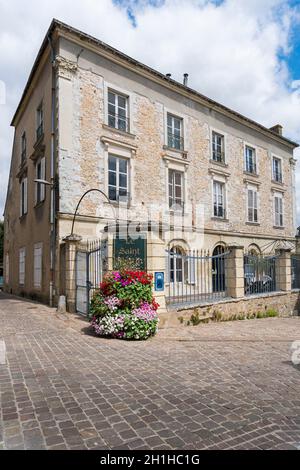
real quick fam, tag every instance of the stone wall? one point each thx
(285, 303)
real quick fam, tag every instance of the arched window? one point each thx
(178, 264)
(218, 269)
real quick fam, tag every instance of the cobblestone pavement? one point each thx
(216, 386)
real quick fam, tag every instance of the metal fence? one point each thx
(259, 274)
(295, 268)
(91, 263)
(195, 276)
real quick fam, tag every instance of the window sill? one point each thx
(118, 131)
(172, 149)
(117, 204)
(280, 183)
(220, 219)
(22, 217)
(248, 173)
(216, 162)
(39, 204)
(252, 223)
(22, 169)
(39, 141)
(278, 227)
(177, 213)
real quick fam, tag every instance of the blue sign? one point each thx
(159, 281)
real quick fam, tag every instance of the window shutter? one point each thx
(37, 262)
(21, 199)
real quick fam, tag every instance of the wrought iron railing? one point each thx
(251, 167)
(259, 274)
(195, 276)
(218, 156)
(118, 122)
(295, 271)
(175, 141)
(277, 176)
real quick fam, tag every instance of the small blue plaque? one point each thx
(159, 281)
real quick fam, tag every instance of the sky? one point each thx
(243, 53)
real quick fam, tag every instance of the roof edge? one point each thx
(207, 101)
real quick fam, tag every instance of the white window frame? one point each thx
(22, 266)
(113, 88)
(23, 196)
(37, 265)
(254, 147)
(172, 164)
(173, 185)
(222, 134)
(279, 196)
(183, 128)
(42, 163)
(224, 196)
(281, 168)
(255, 206)
(119, 157)
(181, 138)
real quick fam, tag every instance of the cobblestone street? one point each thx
(216, 386)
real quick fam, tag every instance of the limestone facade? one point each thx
(73, 83)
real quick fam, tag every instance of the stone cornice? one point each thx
(65, 68)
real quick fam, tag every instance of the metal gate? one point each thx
(195, 276)
(91, 263)
(295, 271)
(259, 273)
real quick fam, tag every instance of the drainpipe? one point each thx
(52, 179)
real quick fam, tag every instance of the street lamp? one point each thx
(78, 204)
(47, 183)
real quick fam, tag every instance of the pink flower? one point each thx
(145, 312)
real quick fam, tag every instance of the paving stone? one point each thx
(216, 386)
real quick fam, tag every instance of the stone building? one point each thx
(91, 117)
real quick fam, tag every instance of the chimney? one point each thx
(185, 79)
(168, 75)
(277, 129)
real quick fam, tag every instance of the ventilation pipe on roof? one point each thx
(168, 75)
(185, 79)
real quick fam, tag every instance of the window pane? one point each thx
(112, 178)
(112, 163)
(122, 165)
(178, 178)
(111, 97)
(122, 192)
(112, 193)
(121, 102)
(123, 181)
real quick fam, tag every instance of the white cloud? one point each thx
(230, 51)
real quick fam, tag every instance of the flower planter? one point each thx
(124, 307)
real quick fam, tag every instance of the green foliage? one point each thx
(138, 329)
(217, 316)
(271, 312)
(195, 318)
